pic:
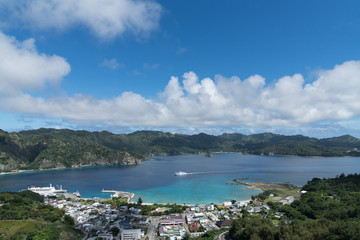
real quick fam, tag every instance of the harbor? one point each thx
(121, 194)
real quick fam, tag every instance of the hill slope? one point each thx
(53, 148)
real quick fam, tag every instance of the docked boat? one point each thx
(47, 191)
(180, 173)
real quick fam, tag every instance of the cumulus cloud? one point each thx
(23, 68)
(105, 18)
(189, 102)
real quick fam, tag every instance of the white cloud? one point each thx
(23, 68)
(181, 50)
(105, 18)
(111, 63)
(151, 66)
(191, 102)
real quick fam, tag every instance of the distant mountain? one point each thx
(53, 148)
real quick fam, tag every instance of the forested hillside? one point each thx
(53, 148)
(24, 216)
(329, 210)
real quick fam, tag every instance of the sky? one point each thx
(287, 67)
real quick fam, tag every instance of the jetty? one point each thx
(117, 193)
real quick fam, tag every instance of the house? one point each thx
(106, 236)
(209, 207)
(287, 200)
(241, 204)
(224, 224)
(144, 220)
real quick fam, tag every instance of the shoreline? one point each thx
(16, 171)
(58, 168)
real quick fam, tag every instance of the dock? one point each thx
(117, 193)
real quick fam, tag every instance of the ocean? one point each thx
(207, 182)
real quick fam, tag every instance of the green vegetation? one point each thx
(211, 235)
(329, 210)
(278, 190)
(24, 216)
(53, 148)
(148, 209)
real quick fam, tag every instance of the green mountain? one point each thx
(53, 148)
(330, 209)
(24, 216)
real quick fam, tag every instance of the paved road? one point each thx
(152, 230)
(224, 236)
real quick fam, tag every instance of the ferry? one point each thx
(180, 173)
(47, 191)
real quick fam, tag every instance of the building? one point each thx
(172, 220)
(131, 234)
(209, 207)
(287, 200)
(224, 224)
(172, 231)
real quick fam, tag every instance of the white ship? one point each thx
(180, 173)
(47, 191)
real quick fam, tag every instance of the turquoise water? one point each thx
(154, 180)
(197, 190)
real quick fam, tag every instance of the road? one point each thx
(152, 230)
(224, 236)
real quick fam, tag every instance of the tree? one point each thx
(187, 236)
(140, 201)
(69, 220)
(115, 231)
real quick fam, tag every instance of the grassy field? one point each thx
(12, 228)
(19, 229)
(278, 190)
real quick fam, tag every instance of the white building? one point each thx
(209, 207)
(131, 234)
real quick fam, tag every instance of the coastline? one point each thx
(191, 189)
(281, 189)
(148, 157)
(59, 168)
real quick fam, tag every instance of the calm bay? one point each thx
(154, 180)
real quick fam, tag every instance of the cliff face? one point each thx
(91, 160)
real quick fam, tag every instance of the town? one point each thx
(117, 218)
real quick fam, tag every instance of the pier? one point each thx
(127, 195)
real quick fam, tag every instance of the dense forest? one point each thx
(329, 210)
(24, 216)
(54, 148)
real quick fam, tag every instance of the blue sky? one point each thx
(289, 67)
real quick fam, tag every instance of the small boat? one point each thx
(180, 173)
